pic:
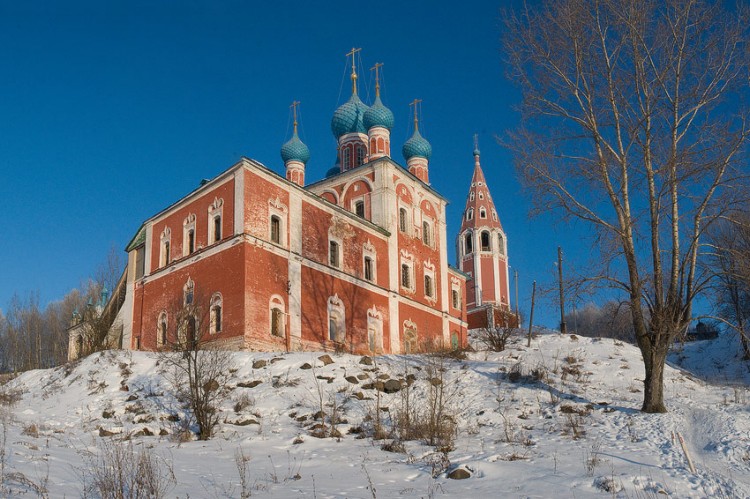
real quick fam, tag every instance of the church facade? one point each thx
(355, 262)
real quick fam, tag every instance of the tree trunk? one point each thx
(653, 384)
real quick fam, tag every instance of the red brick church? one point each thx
(356, 261)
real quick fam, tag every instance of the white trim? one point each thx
(216, 300)
(215, 210)
(276, 302)
(375, 324)
(337, 313)
(188, 225)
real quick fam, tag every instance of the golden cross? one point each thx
(294, 106)
(377, 80)
(354, 69)
(416, 120)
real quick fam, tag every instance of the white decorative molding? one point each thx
(190, 219)
(277, 204)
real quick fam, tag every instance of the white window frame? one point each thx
(468, 237)
(407, 259)
(482, 213)
(188, 291)
(489, 241)
(215, 210)
(337, 315)
(165, 247)
(470, 214)
(280, 210)
(410, 327)
(277, 303)
(338, 264)
(501, 243)
(429, 273)
(368, 251)
(188, 225)
(374, 330)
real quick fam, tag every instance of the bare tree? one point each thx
(731, 262)
(199, 367)
(634, 123)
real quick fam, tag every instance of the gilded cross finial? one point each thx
(377, 80)
(416, 118)
(352, 53)
(294, 106)
(476, 142)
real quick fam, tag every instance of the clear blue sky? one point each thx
(110, 111)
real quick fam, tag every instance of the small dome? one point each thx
(333, 171)
(295, 150)
(417, 146)
(348, 117)
(476, 151)
(378, 115)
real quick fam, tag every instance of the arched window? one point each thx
(501, 244)
(470, 214)
(468, 243)
(276, 313)
(191, 241)
(482, 213)
(471, 196)
(336, 319)
(346, 160)
(360, 155)
(486, 241)
(215, 211)
(275, 229)
(359, 208)
(402, 219)
(481, 195)
(426, 233)
(164, 254)
(375, 330)
(216, 313)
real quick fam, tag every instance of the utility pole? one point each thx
(531, 316)
(563, 329)
(518, 316)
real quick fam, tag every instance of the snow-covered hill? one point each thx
(559, 419)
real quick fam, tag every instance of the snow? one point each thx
(567, 426)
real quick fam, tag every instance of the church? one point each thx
(354, 262)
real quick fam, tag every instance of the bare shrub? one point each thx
(120, 472)
(243, 402)
(243, 470)
(496, 338)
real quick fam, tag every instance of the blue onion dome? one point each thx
(333, 171)
(378, 115)
(295, 150)
(417, 146)
(348, 117)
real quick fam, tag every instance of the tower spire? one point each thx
(353, 53)
(377, 80)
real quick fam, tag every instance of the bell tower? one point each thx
(482, 252)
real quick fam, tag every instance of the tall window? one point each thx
(456, 298)
(217, 228)
(426, 233)
(482, 213)
(347, 158)
(188, 291)
(405, 276)
(275, 229)
(191, 241)
(468, 246)
(165, 253)
(486, 241)
(501, 244)
(481, 195)
(359, 208)
(471, 196)
(333, 253)
(470, 214)
(360, 155)
(336, 322)
(277, 322)
(402, 219)
(161, 333)
(368, 269)
(428, 288)
(216, 313)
